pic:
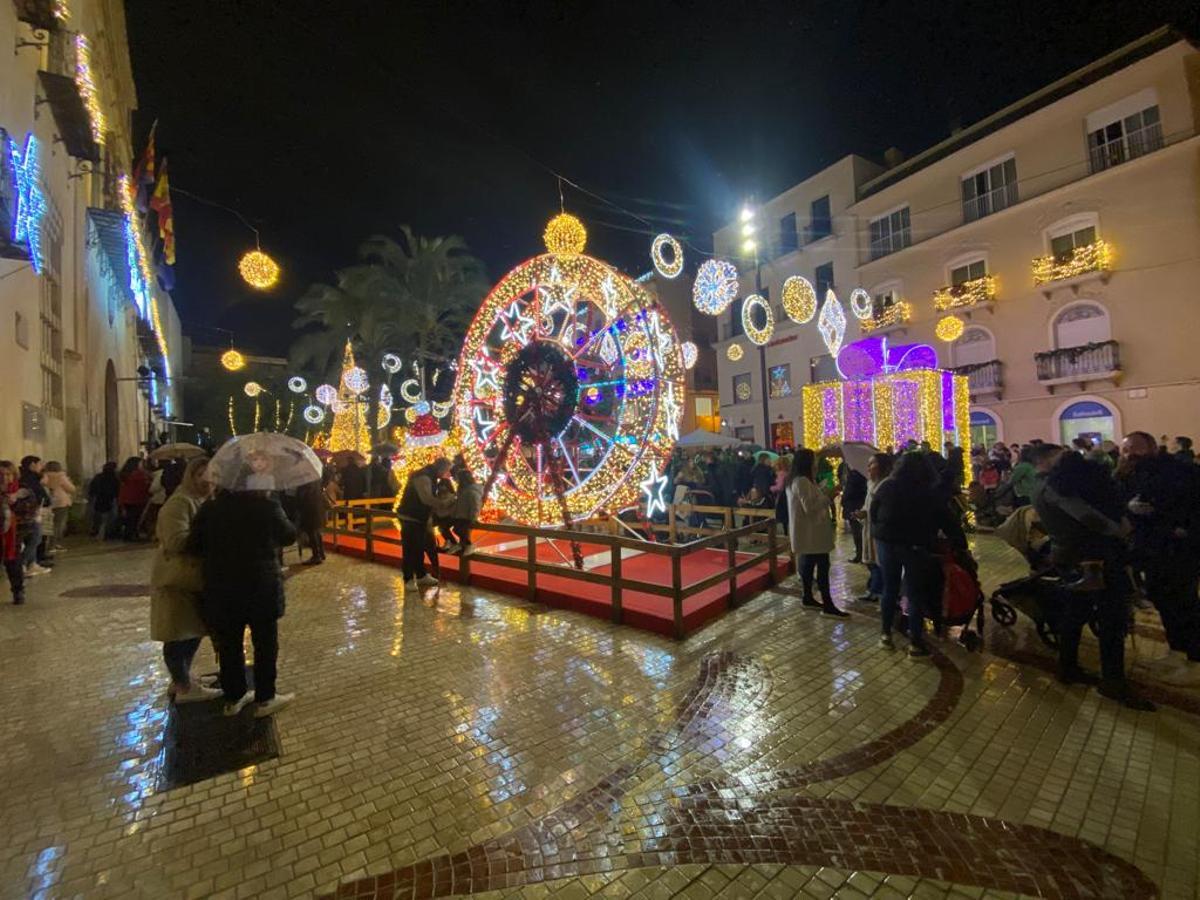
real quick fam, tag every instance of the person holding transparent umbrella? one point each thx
(239, 535)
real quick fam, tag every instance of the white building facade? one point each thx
(86, 338)
(1062, 232)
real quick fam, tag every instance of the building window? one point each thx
(968, 272)
(1080, 324)
(1062, 246)
(975, 347)
(989, 190)
(789, 239)
(823, 281)
(742, 390)
(1125, 138)
(820, 220)
(890, 233)
(985, 429)
(882, 302)
(744, 433)
(1087, 419)
(51, 321)
(781, 381)
(823, 368)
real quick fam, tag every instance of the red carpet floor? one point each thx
(640, 609)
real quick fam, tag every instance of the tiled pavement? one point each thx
(462, 741)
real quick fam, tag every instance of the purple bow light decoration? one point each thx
(872, 356)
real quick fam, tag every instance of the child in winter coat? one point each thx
(466, 511)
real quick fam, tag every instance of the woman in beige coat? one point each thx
(176, 582)
(810, 530)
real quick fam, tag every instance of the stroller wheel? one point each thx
(1047, 633)
(970, 640)
(1003, 613)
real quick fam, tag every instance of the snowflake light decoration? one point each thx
(716, 286)
(690, 353)
(326, 394)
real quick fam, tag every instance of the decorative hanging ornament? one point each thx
(297, 385)
(670, 264)
(326, 394)
(832, 323)
(410, 390)
(759, 335)
(734, 352)
(314, 415)
(355, 380)
(799, 299)
(232, 360)
(689, 351)
(949, 328)
(860, 304)
(391, 363)
(565, 235)
(715, 287)
(252, 389)
(654, 489)
(258, 270)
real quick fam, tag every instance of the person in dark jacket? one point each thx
(310, 518)
(34, 557)
(908, 512)
(1162, 496)
(354, 480)
(102, 495)
(1078, 505)
(762, 476)
(239, 536)
(854, 495)
(418, 504)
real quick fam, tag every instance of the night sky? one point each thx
(324, 122)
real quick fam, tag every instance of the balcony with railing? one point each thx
(1130, 145)
(1079, 365)
(990, 202)
(46, 15)
(1089, 261)
(70, 90)
(985, 379)
(890, 319)
(978, 293)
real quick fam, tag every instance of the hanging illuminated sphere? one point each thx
(232, 360)
(860, 304)
(689, 351)
(258, 270)
(297, 385)
(799, 299)
(758, 334)
(314, 415)
(949, 328)
(565, 234)
(716, 286)
(252, 389)
(326, 394)
(734, 352)
(355, 380)
(391, 363)
(670, 264)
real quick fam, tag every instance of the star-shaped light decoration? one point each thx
(486, 371)
(516, 324)
(655, 488)
(485, 421)
(832, 323)
(671, 408)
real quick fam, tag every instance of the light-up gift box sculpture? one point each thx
(890, 395)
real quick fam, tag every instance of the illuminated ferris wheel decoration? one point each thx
(570, 391)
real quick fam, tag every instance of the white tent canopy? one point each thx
(702, 438)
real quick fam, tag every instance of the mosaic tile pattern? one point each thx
(429, 726)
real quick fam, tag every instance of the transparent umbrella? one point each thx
(264, 462)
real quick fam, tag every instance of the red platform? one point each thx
(639, 609)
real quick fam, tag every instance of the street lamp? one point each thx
(749, 221)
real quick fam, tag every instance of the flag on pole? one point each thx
(160, 202)
(143, 173)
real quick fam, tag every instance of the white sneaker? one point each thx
(886, 642)
(35, 569)
(427, 581)
(197, 693)
(232, 709)
(272, 706)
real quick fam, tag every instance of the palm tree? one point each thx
(412, 297)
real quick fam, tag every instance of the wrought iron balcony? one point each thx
(984, 379)
(1089, 362)
(965, 295)
(1090, 258)
(71, 92)
(892, 317)
(46, 15)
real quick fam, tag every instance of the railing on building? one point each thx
(992, 201)
(61, 81)
(896, 314)
(1084, 363)
(46, 15)
(373, 522)
(965, 295)
(1135, 143)
(1094, 257)
(983, 378)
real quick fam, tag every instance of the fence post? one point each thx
(677, 591)
(728, 519)
(336, 529)
(671, 522)
(531, 557)
(615, 568)
(731, 554)
(771, 552)
(370, 523)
